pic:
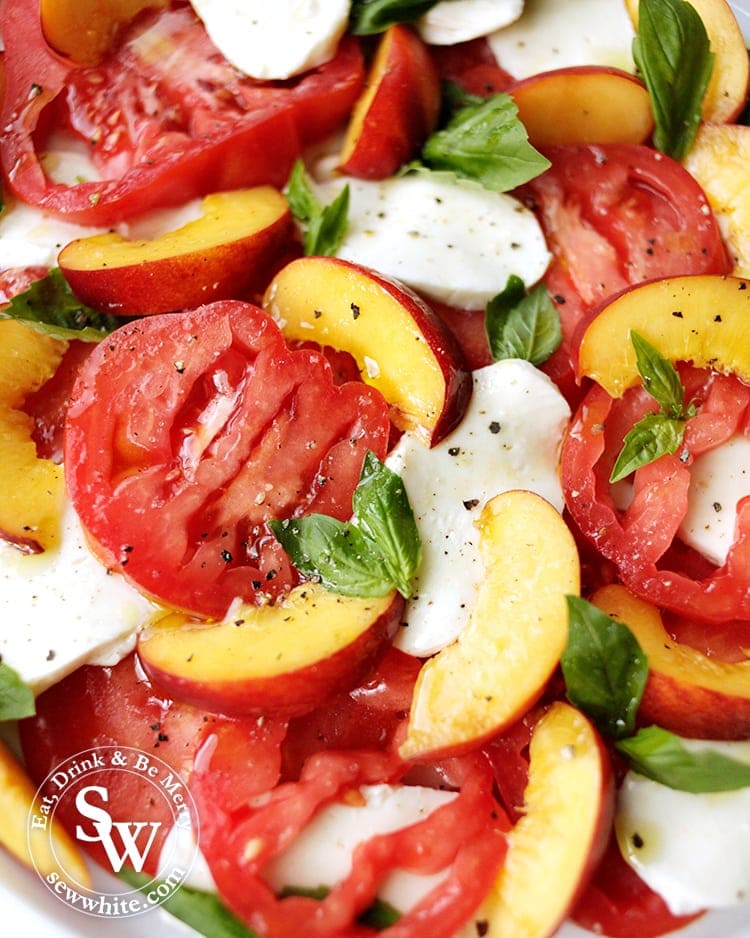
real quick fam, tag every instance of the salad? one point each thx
(373, 501)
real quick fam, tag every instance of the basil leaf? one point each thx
(202, 911)
(335, 554)
(663, 757)
(50, 307)
(521, 325)
(384, 514)
(660, 377)
(673, 55)
(326, 225)
(604, 667)
(379, 550)
(486, 142)
(653, 436)
(374, 16)
(16, 697)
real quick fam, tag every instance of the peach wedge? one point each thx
(224, 254)
(686, 692)
(701, 318)
(288, 657)
(501, 662)
(400, 345)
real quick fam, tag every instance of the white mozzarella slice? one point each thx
(509, 439)
(322, 854)
(693, 849)
(718, 480)
(62, 608)
(452, 21)
(278, 39)
(451, 240)
(180, 850)
(557, 33)
(30, 238)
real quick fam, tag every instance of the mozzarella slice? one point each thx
(322, 854)
(29, 238)
(62, 609)
(451, 240)
(452, 21)
(509, 438)
(277, 39)
(556, 33)
(694, 850)
(718, 480)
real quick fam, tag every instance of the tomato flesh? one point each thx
(187, 432)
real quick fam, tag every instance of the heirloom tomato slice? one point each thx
(187, 432)
(616, 215)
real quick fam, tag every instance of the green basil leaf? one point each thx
(374, 16)
(335, 554)
(653, 436)
(50, 307)
(16, 697)
(522, 325)
(486, 142)
(202, 911)
(604, 667)
(325, 225)
(660, 377)
(673, 55)
(383, 513)
(663, 757)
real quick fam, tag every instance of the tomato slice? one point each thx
(613, 216)
(187, 432)
(165, 117)
(640, 539)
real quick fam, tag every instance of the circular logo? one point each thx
(128, 809)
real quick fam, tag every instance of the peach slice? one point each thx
(686, 692)
(224, 254)
(31, 489)
(719, 159)
(397, 110)
(286, 657)
(700, 318)
(400, 345)
(84, 30)
(727, 90)
(42, 845)
(500, 663)
(552, 849)
(583, 104)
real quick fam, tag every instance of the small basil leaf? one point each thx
(325, 226)
(383, 513)
(521, 325)
(663, 757)
(604, 667)
(335, 554)
(486, 142)
(660, 377)
(375, 16)
(16, 697)
(673, 55)
(653, 436)
(202, 911)
(50, 307)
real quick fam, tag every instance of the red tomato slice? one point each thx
(187, 432)
(639, 539)
(166, 118)
(97, 707)
(613, 216)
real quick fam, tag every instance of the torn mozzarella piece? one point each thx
(509, 439)
(452, 21)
